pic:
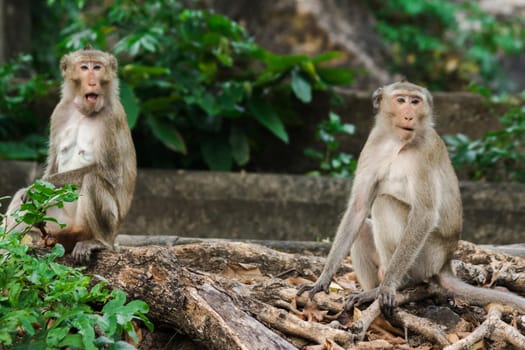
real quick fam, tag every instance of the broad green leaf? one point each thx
(266, 115)
(326, 56)
(129, 101)
(168, 135)
(217, 155)
(73, 340)
(280, 63)
(336, 76)
(56, 336)
(17, 150)
(301, 87)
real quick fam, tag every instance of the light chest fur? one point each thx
(76, 142)
(393, 172)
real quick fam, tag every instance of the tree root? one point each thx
(492, 328)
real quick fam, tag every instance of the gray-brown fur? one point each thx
(90, 145)
(407, 187)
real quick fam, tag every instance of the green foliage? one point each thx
(20, 132)
(198, 91)
(446, 43)
(332, 162)
(499, 155)
(46, 305)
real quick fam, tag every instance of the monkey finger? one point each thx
(387, 303)
(356, 299)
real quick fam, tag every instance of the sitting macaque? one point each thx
(404, 216)
(90, 146)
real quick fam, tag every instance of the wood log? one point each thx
(236, 295)
(187, 301)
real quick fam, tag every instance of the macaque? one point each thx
(404, 216)
(90, 146)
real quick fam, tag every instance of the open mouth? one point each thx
(406, 128)
(91, 97)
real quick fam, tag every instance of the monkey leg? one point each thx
(98, 212)
(365, 259)
(10, 223)
(365, 262)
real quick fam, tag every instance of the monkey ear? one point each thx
(430, 99)
(113, 63)
(376, 97)
(63, 64)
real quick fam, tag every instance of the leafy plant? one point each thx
(20, 132)
(198, 91)
(498, 155)
(446, 43)
(46, 305)
(332, 162)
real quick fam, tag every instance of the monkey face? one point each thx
(91, 80)
(407, 113)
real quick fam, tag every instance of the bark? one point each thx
(233, 295)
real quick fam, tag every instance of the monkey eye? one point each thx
(84, 66)
(415, 101)
(97, 66)
(401, 99)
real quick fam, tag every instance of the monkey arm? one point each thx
(363, 193)
(75, 176)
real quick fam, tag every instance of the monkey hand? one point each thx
(84, 249)
(356, 299)
(387, 300)
(314, 288)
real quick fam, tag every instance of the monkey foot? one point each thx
(84, 250)
(312, 289)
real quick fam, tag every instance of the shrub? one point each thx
(46, 305)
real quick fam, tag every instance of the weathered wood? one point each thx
(236, 295)
(187, 301)
(315, 248)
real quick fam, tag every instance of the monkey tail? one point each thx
(478, 295)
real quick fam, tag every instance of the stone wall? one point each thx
(277, 207)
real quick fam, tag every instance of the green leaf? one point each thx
(72, 340)
(56, 336)
(280, 63)
(167, 134)
(129, 101)
(336, 76)
(326, 56)
(240, 148)
(17, 150)
(217, 155)
(266, 115)
(301, 87)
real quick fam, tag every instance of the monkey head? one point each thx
(90, 79)
(405, 108)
